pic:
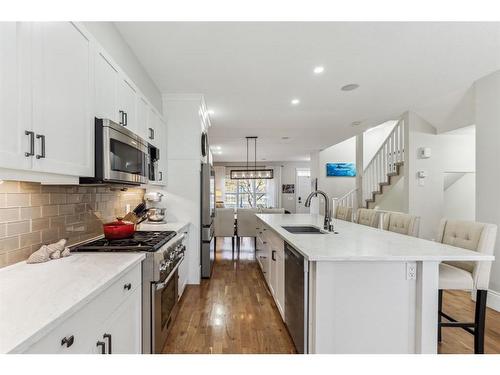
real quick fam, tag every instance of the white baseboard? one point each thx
(493, 300)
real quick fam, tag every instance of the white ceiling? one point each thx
(249, 72)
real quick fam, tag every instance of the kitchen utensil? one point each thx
(136, 215)
(153, 196)
(118, 229)
(156, 214)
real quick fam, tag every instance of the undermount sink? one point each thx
(303, 229)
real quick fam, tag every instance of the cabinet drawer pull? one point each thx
(161, 176)
(151, 133)
(127, 286)
(102, 344)
(32, 143)
(107, 336)
(68, 341)
(121, 117)
(272, 255)
(42, 144)
(125, 116)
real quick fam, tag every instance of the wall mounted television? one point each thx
(340, 170)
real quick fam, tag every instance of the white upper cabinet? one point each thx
(14, 99)
(106, 86)
(142, 117)
(63, 91)
(127, 98)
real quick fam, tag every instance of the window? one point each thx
(246, 193)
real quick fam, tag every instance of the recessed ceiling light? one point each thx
(319, 70)
(355, 123)
(350, 87)
(295, 101)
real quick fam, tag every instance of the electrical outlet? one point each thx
(411, 271)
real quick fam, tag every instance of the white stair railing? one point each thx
(349, 199)
(390, 154)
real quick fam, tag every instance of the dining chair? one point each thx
(468, 276)
(400, 222)
(246, 225)
(369, 217)
(224, 224)
(343, 213)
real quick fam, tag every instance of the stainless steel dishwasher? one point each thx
(296, 297)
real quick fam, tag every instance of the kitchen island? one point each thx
(365, 290)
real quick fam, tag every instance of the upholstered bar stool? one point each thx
(467, 276)
(246, 224)
(343, 213)
(365, 216)
(399, 222)
(224, 224)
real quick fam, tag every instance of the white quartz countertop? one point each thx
(34, 298)
(174, 226)
(355, 242)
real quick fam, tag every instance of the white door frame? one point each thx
(297, 184)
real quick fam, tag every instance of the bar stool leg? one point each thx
(479, 321)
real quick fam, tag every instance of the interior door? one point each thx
(15, 108)
(303, 189)
(62, 95)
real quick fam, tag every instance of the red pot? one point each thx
(118, 229)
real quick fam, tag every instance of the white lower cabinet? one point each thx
(110, 322)
(271, 258)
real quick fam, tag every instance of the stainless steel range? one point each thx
(164, 253)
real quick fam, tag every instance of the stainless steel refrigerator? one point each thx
(207, 219)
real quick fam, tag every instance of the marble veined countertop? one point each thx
(355, 242)
(35, 298)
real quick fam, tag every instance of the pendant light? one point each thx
(252, 173)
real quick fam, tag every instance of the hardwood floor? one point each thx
(232, 312)
(455, 340)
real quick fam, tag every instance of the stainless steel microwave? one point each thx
(121, 156)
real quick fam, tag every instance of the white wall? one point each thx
(393, 199)
(460, 199)
(335, 187)
(110, 38)
(487, 113)
(373, 139)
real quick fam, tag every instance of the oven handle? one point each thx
(163, 284)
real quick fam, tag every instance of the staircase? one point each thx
(386, 167)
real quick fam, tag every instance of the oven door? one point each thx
(125, 155)
(165, 296)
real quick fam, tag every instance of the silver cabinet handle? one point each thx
(42, 143)
(161, 176)
(68, 341)
(32, 143)
(272, 255)
(151, 133)
(125, 116)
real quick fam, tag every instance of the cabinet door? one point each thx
(280, 281)
(127, 97)
(106, 80)
(15, 109)
(123, 327)
(62, 96)
(162, 145)
(152, 127)
(142, 117)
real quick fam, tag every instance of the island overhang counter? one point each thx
(367, 290)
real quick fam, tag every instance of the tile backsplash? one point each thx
(32, 214)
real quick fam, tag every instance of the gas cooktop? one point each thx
(149, 241)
